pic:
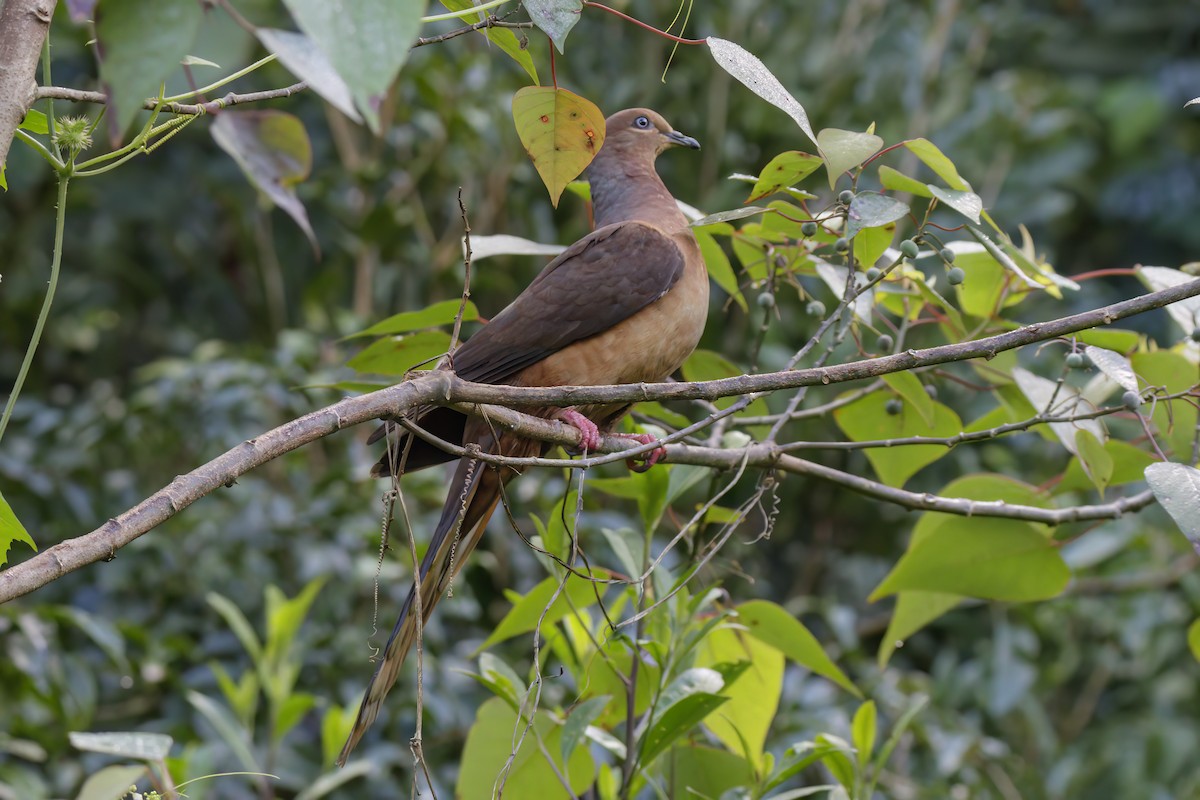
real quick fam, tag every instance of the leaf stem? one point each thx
(262, 62)
(59, 223)
(465, 12)
(639, 23)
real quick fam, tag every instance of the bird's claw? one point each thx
(589, 434)
(645, 461)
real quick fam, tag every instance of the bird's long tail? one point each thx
(474, 493)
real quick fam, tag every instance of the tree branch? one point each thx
(183, 109)
(443, 388)
(24, 25)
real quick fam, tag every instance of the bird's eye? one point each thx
(642, 122)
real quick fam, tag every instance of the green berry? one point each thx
(931, 390)
(1131, 400)
(845, 197)
(873, 274)
(947, 255)
(1196, 334)
(815, 308)
(842, 245)
(808, 228)
(956, 276)
(766, 300)
(894, 406)
(885, 343)
(1075, 361)
(909, 249)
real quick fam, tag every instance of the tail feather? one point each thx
(474, 494)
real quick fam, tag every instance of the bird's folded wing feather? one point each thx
(598, 282)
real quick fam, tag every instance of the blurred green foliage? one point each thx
(188, 314)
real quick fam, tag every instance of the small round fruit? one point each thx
(909, 249)
(956, 276)
(842, 245)
(845, 197)
(894, 406)
(815, 308)
(885, 343)
(931, 390)
(1131, 400)
(766, 300)
(947, 255)
(1075, 361)
(808, 228)
(873, 274)
(1196, 334)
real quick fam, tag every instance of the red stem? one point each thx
(1103, 273)
(553, 74)
(641, 24)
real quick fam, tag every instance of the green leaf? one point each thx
(234, 737)
(301, 56)
(1129, 463)
(1096, 461)
(11, 530)
(112, 782)
(732, 215)
(706, 365)
(398, 355)
(285, 616)
(1193, 639)
(966, 203)
(754, 75)
(142, 42)
(501, 244)
(555, 17)
(989, 558)
(142, 746)
(503, 38)
(772, 625)
(836, 758)
(431, 316)
(936, 160)
(913, 611)
(871, 243)
(489, 746)
(677, 721)
(238, 623)
(500, 679)
(697, 771)
(873, 210)
(743, 723)
(845, 150)
(1175, 420)
(782, 171)
(1177, 489)
(35, 122)
(274, 152)
(909, 386)
(561, 132)
(1115, 339)
(1185, 313)
(719, 268)
(1115, 366)
(863, 731)
(335, 729)
(366, 42)
(578, 720)
(899, 182)
(290, 712)
(867, 420)
(523, 617)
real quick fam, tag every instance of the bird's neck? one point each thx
(623, 192)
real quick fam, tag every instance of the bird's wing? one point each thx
(601, 280)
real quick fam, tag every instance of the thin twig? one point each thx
(182, 109)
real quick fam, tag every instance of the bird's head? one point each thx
(642, 132)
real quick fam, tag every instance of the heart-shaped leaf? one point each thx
(561, 131)
(555, 17)
(845, 150)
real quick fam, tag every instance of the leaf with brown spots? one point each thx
(561, 131)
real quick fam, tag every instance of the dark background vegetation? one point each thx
(189, 317)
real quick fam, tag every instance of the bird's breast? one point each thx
(646, 347)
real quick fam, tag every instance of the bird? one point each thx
(627, 303)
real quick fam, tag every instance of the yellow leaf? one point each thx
(561, 131)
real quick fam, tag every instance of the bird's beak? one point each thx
(677, 138)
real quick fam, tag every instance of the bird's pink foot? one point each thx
(646, 460)
(589, 434)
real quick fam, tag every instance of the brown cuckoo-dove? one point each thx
(625, 304)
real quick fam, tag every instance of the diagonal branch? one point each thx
(443, 388)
